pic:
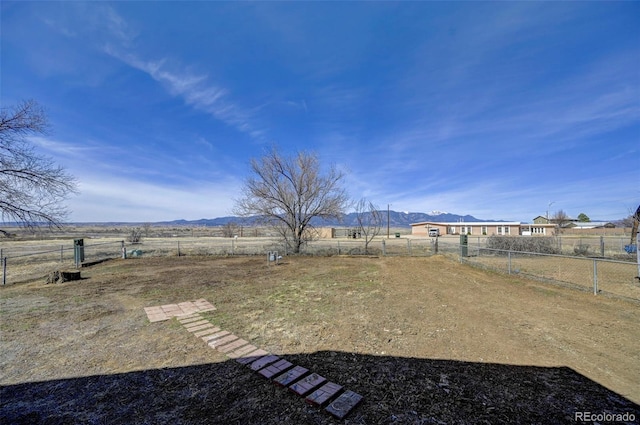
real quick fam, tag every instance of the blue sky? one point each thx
(491, 109)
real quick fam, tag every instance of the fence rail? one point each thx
(24, 261)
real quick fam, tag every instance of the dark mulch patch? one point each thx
(396, 390)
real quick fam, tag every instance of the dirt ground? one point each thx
(424, 340)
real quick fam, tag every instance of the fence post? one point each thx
(338, 247)
(178, 248)
(509, 262)
(384, 248)
(621, 244)
(638, 252)
(560, 244)
(602, 246)
(4, 270)
(409, 247)
(595, 277)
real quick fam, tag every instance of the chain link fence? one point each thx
(26, 261)
(612, 246)
(598, 275)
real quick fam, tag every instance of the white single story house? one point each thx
(591, 225)
(484, 228)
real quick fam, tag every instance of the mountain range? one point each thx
(396, 219)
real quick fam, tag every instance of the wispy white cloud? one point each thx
(96, 20)
(204, 142)
(117, 26)
(466, 108)
(111, 190)
(113, 34)
(65, 149)
(196, 90)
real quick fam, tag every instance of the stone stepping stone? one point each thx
(252, 356)
(276, 368)
(217, 335)
(153, 310)
(206, 332)
(263, 361)
(242, 351)
(322, 395)
(171, 309)
(317, 390)
(183, 310)
(187, 308)
(155, 314)
(232, 346)
(291, 376)
(222, 341)
(342, 405)
(200, 327)
(307, 384)
(204, 305)
(157, 317)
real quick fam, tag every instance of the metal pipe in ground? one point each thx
(595, 277)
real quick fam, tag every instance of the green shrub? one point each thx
(537, 244)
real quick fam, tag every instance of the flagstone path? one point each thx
(315, 389)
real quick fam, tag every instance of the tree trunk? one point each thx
(60, 276)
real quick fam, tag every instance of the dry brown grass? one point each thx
(422, 339)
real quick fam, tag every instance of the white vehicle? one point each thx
(433, 233)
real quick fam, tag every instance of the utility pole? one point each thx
(388, 215)
(548, 207)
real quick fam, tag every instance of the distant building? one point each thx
(580, 225)
(481, 228)
(540, 220)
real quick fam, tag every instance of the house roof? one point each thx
(590, 224)
(468, 223)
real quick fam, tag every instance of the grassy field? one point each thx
(424, 340)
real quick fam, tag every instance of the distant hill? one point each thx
(396, 219)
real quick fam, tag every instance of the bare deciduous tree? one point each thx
(230, 229)
(135, 236)
(630, 219)
(146, 229)
(369, 219)
(288, 192)
(32, 188)
(561, 219)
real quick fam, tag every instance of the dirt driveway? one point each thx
(424, 340)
